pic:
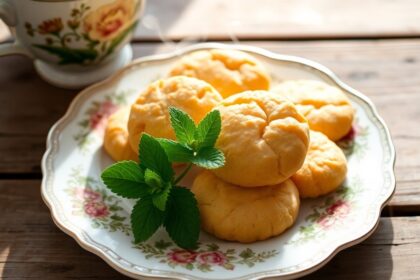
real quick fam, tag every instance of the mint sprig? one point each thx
(194, 142)
(161, 202)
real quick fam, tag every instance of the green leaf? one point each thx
(208, 129)
(183, 126)
(145, 219)
(176, 152)
(153, 180)
(182, 221)
(160, 199)
(247, 253)
(153, 156)
(70, 56)
(117, 218)
(126, 179)
(209, 158)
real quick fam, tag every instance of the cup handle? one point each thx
(8, 15)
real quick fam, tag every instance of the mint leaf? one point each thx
(182, 221)
(153, 180)
(145, 219)
(153, 156)
(209, 158)
(183, 126)
(176, 152)
(160, 199)
(208, 129)
(126, 179)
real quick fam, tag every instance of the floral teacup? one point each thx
(73, 42)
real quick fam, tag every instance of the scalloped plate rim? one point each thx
(314, 66)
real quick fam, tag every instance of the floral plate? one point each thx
(99, 221)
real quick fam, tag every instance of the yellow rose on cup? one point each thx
(109, 20)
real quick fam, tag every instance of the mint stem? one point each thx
(183, 173)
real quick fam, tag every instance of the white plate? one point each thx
(83, 208)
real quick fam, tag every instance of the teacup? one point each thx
(73, 42)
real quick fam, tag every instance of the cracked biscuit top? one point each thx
(229, 71)
(327, 108)
(264, 139)
(150, 112)
(245, 214)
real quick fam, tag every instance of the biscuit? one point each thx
(229, 71)
(245, 214)
(150, 112)
(116, 136)
(263, 137)
(324, 169)
(327, 108)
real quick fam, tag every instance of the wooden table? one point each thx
(373, 45)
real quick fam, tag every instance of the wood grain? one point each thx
(278, 19)
(275, 19)
(384, 70)
(28, 108)
(31, 246)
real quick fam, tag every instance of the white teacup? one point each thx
(73, 42)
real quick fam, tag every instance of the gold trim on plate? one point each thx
(136, 271)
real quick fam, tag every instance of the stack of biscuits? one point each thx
(278, 141)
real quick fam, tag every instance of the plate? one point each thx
(99, 221)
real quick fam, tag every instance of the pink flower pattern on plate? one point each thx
(96, 209)
(182, 256)
(212, 258)
(94, 202)
(337, 211)
(86, 194)
(97, 120)
(204, 258)
(337, 206)
(96, 116)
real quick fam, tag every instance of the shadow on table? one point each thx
(31, 246)
(371, 259)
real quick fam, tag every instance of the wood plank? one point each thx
(276, 19)
(388, 254)
(31, 246)
(220, 19)
(28, 108)
(384, 70)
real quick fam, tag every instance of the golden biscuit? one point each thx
(242, 214)
(149, 113)
(324, 169)
(327, 108)
(229, 71)
(264, 139)
(116, 136)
